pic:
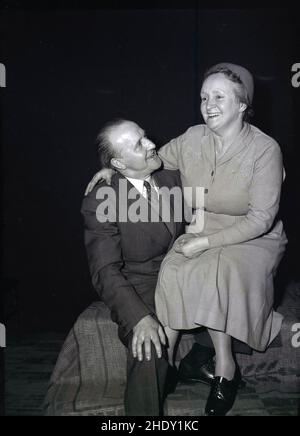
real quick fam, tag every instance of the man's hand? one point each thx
(104, 174)
(146, 331)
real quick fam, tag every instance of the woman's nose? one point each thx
(210, 103)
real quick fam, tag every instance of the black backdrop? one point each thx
(68, 71)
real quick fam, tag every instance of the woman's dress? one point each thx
(228, 287)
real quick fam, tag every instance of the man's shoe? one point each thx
(201, 374)
(222, 395)
(197, 365)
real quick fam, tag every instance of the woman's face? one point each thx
(220, 106)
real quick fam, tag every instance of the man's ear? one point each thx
(243, 107)
(118, 163)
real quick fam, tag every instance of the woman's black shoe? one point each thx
(222, 395)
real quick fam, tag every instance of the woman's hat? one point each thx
(244, 75)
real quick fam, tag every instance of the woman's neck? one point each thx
(228, 137)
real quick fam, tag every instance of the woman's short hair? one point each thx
(241, 91)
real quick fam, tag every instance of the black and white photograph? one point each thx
(149, 211)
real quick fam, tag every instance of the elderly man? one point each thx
(125, 255)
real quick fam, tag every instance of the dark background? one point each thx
(69, 71)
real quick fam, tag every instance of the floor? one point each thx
(249, 402)
(29, 363)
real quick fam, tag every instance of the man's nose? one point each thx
(148, 144)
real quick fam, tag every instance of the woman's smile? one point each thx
(213, 115)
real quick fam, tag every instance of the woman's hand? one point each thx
(104, 174)
(192, 246)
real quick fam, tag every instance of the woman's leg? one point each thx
(227, 377)
(172, 336)
(225, 365)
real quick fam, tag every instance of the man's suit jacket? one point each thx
(125, 257)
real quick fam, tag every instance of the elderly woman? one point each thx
(221, 277)
(220, 273)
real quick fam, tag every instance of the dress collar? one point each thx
(241, 141)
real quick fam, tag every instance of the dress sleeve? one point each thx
(264, 198)
(174, 154)
(169, 154)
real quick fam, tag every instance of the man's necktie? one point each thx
(157, 205)
(149, 190)
(153, 199)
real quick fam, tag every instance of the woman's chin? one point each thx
(213, 123)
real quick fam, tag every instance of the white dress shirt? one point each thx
(139, 185)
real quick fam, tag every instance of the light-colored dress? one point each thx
(228, 287)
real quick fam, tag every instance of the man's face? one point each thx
(138, 157)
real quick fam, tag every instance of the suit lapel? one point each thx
(166, 204)
(147, 226)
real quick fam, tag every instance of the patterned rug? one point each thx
(29, 364)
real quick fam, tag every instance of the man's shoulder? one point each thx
(100, 192)
(168, 177)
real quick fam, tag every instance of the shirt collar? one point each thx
(139, 183)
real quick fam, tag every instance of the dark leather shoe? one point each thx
(222, 395)
(197, 365)
(201, 374)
